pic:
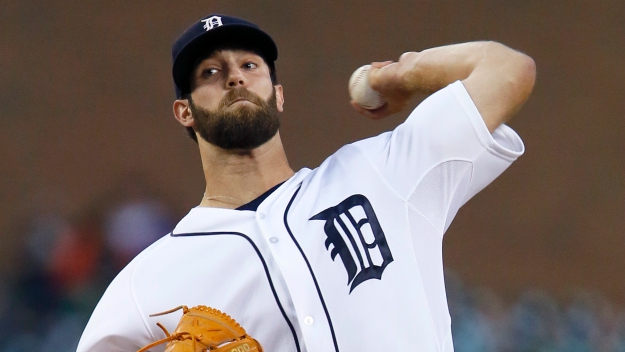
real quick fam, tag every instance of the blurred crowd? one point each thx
(534, 321)
(67, 264)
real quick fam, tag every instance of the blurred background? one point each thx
(94, 167)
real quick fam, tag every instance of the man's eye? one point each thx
(209, 72)
(250, 65)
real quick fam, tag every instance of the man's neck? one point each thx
(234, 178)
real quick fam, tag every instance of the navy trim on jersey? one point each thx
(253, 205)
(323, 303)
(260, 256)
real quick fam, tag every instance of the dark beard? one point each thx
(247, 127)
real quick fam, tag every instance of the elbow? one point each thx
(526, 76)
(519, 68)
(520, 73)
(527, 72)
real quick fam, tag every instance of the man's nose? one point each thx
(235, 78)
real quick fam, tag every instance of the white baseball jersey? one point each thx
(345, 257)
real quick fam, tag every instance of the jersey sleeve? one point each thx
(443, 154)
(116, 323)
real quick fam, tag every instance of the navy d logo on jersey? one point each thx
(363, 249)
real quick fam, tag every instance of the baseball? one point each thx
(361, 92)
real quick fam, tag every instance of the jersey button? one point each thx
(309, 320)
(261, 215)
(273, 239)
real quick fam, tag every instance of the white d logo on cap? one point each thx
(212, 22)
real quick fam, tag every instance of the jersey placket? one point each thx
(302, 290)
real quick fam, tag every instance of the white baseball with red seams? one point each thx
(361, 92)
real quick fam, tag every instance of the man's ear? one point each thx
(182, 113)
(279, 97)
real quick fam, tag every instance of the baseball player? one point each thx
(345, 257)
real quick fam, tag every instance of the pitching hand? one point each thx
(395, 82)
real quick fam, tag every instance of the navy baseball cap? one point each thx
(212, 31)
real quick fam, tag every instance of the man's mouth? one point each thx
(240, 99)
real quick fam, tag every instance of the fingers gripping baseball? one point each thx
(392, 81)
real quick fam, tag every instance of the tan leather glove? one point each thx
(204, 328)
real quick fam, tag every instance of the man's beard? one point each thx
(245, 127)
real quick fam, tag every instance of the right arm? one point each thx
(498, 79)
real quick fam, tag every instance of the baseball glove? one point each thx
(204, 328)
